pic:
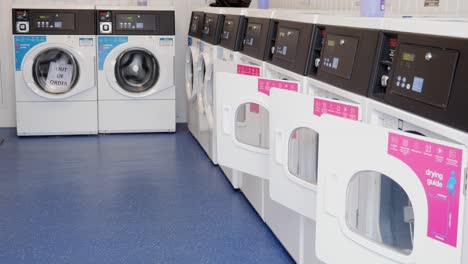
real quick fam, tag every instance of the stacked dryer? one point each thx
(194, 70)
(210, 39)
(416, 178)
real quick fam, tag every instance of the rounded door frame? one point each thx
(86, 77)
(111, 61)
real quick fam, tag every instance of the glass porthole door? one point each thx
(55, 71)
(243, 141)
(386, 196)
(136, 71)
(294, 151)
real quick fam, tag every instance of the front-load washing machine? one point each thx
(405, 194)
(136, 49)
(211, 37)
(194, 70)
(55, 76)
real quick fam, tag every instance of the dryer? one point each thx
(210, 39)
(136, 49)
(55, 77)
(405, 194)
(194, 70)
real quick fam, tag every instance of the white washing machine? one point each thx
(404, 195)
(194, 70)
(211, 37)
(136, 50)
(55, 75)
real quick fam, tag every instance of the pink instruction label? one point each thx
(439, 168)
(248, 70)
(337, 108)
(265, 85)
(254, 108)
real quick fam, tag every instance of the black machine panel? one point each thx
(426, 75)
(339, 55)
(233, 32)
(122, 22)
(259, 38)
(53, 22)
(196, 24)
(212, 28)
(347, 57)
(293, 46)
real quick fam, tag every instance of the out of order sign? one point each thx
(59, 77)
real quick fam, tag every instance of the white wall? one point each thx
(7, 91)
(7, 98)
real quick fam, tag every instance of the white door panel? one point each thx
(427, 173)
(236, 94)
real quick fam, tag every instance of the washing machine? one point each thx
(194, 70)
(210, 39)
(136, 51)
(55, 77)
(405, 193)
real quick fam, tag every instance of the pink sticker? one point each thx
(336, 108)
(254, 108)
(265, 85)
(439, 168)
(248, 70)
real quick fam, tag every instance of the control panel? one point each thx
(292, 48)
(339, 55)
(347, 57)
(233, 32)
(196, 24)
(212, 28)
(424, 73)
(112, 22)
(53, 22)
(259, 38)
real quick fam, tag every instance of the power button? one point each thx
(22, 27)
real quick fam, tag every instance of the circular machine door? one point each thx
(189, 74)
(55, 71)
(136, 71)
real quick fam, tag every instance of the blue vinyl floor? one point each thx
(152, 198)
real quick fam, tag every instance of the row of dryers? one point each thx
(89, 70)
(351, 129)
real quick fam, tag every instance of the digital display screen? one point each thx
(58, 24)
(408, 56)
(331, 43)
(418, 84)
(136, 22)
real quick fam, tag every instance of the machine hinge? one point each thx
(466, 182)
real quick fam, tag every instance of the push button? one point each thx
(22, 27)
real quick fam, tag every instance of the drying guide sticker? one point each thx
(265, 85)
(439, 169)
(248, 70)
(251, 71)
(336, 108)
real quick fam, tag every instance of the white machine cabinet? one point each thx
(431, 172)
